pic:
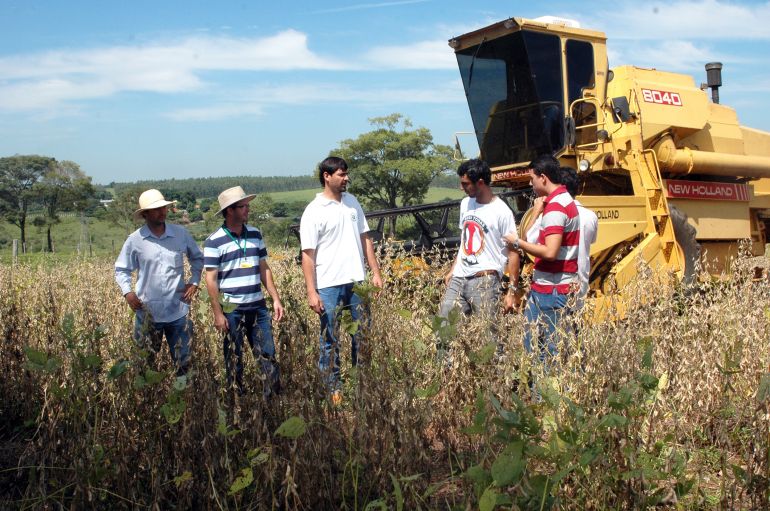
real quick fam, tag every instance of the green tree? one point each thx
(64, 187)
(393, 164)
(18, 175)
(121, 210)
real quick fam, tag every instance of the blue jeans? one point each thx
(149, 334)
(256, 325)
(545, 315)
(336, 299)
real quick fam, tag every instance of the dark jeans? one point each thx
(256, 326)
(149, 334)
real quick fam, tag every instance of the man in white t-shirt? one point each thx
(473, 283)
(589, 225)
(335, 241)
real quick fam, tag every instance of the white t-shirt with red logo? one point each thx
(482, 227)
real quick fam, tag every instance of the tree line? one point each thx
(392, 165)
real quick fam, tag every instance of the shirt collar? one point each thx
(145, 232)
(560, 189)
(325, 201)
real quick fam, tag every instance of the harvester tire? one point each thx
(685, 236)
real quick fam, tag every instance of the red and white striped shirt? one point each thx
(560, 216)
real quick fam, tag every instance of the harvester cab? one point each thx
(667, 171)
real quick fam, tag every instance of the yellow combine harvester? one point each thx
(672, 176)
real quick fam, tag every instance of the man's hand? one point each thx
(314, 300)
(220, 322)
(189, 292)
(511, 237)
(278, 310)
(538, 206)
(133, 301)
(512, 302)
(377, 281)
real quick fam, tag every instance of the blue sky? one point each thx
(167, 88)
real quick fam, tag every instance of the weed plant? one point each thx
(666, 407)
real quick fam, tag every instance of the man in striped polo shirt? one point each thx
(556, 257)
(235, 259)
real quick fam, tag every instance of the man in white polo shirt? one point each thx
(333, 232)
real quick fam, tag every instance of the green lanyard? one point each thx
(237, 243)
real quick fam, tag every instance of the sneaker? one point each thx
(336, 398)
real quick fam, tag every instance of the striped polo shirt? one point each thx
(237, 259)
(560, 216)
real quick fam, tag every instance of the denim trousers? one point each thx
(336, 300)
(547, 316)
(149, 334)
(256, 326)
(473, 295)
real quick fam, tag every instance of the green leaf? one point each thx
(397, 493)
(183, 478)
(488, 500)
(139, 382)
(507, 469)
(242, 481)
(763, 393)
(429, 391)
(153, 377)
(91, 362)
(405, 314)
(376, 504)
(612, 420)
(35, 357)
(117, 369)
(647, 345)
(173, 411)
(180, 383)
(484, 354)
(224, 302)
(293, 427)
(648, 381)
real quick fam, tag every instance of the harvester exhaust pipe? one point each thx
(714, 79)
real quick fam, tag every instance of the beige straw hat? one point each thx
(151, 199)
(231, 196)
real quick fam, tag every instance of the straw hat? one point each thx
(231, 196)
(151, 199)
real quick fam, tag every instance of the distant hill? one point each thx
(201, 187)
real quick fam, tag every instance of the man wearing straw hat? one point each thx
(161, 300)
(235, 258)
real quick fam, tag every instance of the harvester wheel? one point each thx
(685, 236)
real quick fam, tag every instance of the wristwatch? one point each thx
(516, 244)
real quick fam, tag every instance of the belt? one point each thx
(482, 273)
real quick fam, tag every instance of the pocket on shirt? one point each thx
(172, 259)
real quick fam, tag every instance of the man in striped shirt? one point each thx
(555, 279)
(235, 259)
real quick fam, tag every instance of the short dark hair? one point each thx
(548, 165)
(475, 169)
(330, 166)
(569, 179)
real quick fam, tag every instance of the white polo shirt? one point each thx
(333, 229)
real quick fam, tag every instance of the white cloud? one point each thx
(255, 102)
(670, 55)
(380, 5)
(44, 80)
(707, 19)
(420, 55)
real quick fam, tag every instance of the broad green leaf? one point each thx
(180, 383)
(227, 306)
(92, 362)
(153, 377)
(117, 369)
(139, 382)
(612, 420)
(647, 345)
(507, 469)
(36, 357)
(173, 411)
(293, 427)
(405, 314)
(488, 500)
(242, 481)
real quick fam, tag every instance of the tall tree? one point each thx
(393, 164)
(18, 175)
(64, 187)
(121, 210)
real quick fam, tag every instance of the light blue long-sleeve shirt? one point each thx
(160, 263)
